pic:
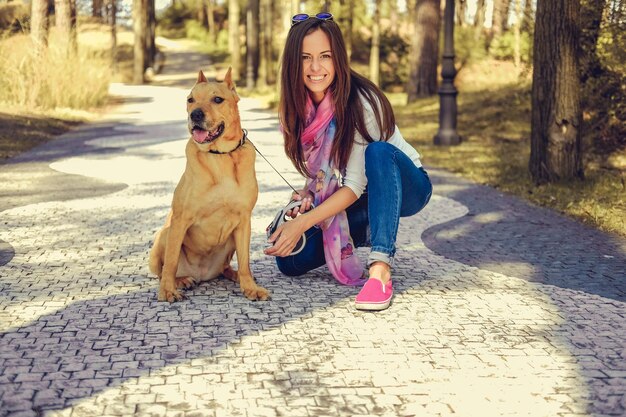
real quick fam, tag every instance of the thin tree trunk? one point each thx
(500, 16)
(112, 19)
(528, 22)
(556, 152)
(375, 49)
(140, 29)
(394, 20)
(266, 66)
(252, 43)
(96, 8)
(517, 55)
(591, 18)
(39, 24)
(461, 8)
(65, 16)
(211, 20)
(233, 38)
(151, 48)
(479, 18)
(424, 50)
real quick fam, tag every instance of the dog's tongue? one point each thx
(200, 135)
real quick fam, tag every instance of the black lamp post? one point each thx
(447, 134)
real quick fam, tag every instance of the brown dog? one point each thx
(213, 202)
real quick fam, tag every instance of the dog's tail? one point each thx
(155, 263)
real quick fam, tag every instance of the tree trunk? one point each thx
(151, 48)
(96, 8)
(479, 18)
(211, 20)
(252, 43)
(375, 48)
(66, 24)
(112, 20)
(461, 9)
(500, 16)
(424, 50)
(528, 22)
(517, 54)
(394, 20)
(555, 122)
(140, 29)
(266, 65)
(202, 14)
(233, 38)
(347, 31)
(39, 26)
(591, 12)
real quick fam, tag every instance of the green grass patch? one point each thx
(494, 121)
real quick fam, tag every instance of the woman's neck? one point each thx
(317, 97)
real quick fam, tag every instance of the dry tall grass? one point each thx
(54, 80)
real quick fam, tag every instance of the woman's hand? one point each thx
(286, 237)
(307, 202)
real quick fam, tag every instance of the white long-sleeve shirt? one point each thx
(354, 174)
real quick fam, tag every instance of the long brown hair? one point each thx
(346, 88)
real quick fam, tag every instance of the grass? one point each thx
(494, 121)
(44, 96)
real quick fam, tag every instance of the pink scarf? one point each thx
(317, 140)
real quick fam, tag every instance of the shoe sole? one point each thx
(373, 306)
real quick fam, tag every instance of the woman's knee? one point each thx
(377, 150)
(287, 267)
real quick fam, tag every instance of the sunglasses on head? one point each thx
(301, 17)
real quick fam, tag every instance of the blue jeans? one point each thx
(395, 188)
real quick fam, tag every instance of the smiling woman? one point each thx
(361, 176)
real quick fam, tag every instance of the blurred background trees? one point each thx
(396, 43)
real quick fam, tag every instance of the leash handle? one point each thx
(263, 156)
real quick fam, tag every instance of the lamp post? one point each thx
(447, 134)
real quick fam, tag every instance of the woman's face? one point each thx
(318, 69)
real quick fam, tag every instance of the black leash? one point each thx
(263, 156)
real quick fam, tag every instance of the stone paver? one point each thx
(501, 308)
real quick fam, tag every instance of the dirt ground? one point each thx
(19, 133)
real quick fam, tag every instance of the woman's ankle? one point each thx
(381, 271)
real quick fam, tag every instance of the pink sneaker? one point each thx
(374, 295)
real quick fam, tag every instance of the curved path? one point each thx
(501, 308)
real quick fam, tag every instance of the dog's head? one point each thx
(212, 112)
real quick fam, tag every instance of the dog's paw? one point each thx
(185, 282)
(256, 293)
(170, 295)
(231, 274)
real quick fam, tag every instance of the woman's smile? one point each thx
(317, 64)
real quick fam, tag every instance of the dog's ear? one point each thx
(201, 77)
(228, 79)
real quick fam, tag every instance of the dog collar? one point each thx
(241, 142)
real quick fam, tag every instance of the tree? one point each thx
(266, 64)
(96, 8)
(424, 54)
(111, 8)
(375, 49)
(233, 38)
(140, 29)
(461, 9)
(252, 43)
(500, 16)
(39, 26)
(591, 18)
(479, 17)
(65, 13)
(555, 121)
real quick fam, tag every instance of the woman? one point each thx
(361, 175)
